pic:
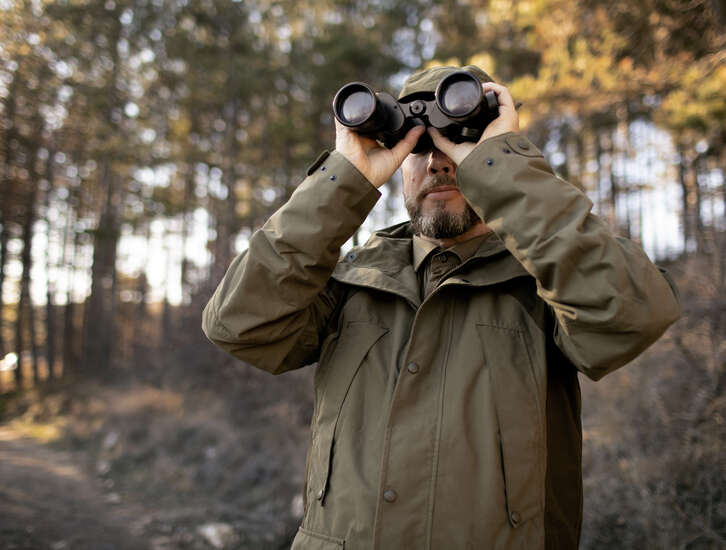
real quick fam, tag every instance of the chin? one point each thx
(444, 223)
(444, 209)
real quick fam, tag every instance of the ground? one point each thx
(89, 466)
(49, 500)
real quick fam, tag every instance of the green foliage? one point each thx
(698, 104)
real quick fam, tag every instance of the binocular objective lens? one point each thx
(461, 97)
(357, 107)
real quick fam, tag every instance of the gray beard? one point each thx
(439, 224)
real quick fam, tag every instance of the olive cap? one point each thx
(428, 79)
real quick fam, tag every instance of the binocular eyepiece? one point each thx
(459, 110)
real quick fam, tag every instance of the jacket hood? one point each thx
(385, 263)
(401, 230)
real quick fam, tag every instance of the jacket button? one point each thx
(516, 518)
(523, 145)
(412, 368)
(389, 495)
(490, 161)
(319, 496)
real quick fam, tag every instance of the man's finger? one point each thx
(443, 144)
(342, 134)
(503, 96)
(456, 152)
(406, 145)
(349, 141)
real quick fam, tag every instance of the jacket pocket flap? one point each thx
(519, 419)
(308, 540)
(333, 383)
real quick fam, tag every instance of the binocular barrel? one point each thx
(358, 107)
(459, 95)
(459, 110)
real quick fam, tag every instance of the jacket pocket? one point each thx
(309, 540)
(332, 382)
(520, 420)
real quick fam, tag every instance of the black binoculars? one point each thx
(459, 110)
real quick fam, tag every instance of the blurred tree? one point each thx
(27, 109)
(102, 45)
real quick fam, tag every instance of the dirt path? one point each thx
(48, 502)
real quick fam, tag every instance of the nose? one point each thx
(439, 163)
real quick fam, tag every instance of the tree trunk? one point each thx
(140, 342)
(691, 200)
(19, 342)
(24, 301)
(99, 315)
(99, 319)
(624, 153)
(167, 328)
(33, 339)
(614, 186)
(3, 255)
(698, 194)
(227, 220)
(598, 172)
(187, 221)
(50, 332)
(685, 203)
(563, 170)
(5, 190)
(71, 341)
(141, 323)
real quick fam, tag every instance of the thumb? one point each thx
(455, 151)
(406, 145)
(443, 144)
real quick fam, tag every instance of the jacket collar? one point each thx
(423, 248)
(385, 262)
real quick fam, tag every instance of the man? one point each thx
(447, 404)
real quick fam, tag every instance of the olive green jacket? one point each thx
(453, 422)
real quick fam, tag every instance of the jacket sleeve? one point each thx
(610, 302)
(273, 304)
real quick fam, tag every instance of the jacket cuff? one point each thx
(324, 211)
(335, 171)
(508, 183)
(492, 162)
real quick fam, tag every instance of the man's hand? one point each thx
(376, 163)
(507, 121)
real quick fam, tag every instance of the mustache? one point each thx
(439, 180)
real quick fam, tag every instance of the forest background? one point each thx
(142, 141)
